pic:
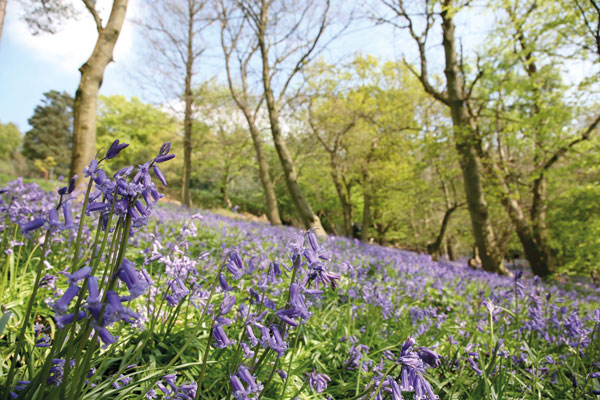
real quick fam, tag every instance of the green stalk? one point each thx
(205, 360)
(27, 315)
(289, 368)
(80, 229)
(200, 322)
(389, 371)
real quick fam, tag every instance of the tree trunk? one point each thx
(466, 142)
(187, 116)
(265, 176)
(450, 249)
(92, 72)
(434, 248)
(2, 15)
(305, 212)
(367, 198)
(344, 200)
(224, 193)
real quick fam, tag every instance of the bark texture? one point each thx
(2, 15)
(435, 247)
(241, 97)
(86, 96)
(466, 145)
(187, 115)
(305, 212)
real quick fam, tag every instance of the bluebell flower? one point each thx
(78, 275)
(235, 265)
(66, 319)
(114, 149)
(129, 276)
(165, 148)
(90, 170)
(68, 189)
(221, 339)
(227, 304)
(32, 225)
(105, 336)
(318, 382)
(61, 305)
(68, 216)
(160, 175)
(239, 391)
(223, 283)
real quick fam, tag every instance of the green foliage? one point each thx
(144, 127)
(575, 221)
(10, 143)
(226, 174)
(51, 131)
(10, 138)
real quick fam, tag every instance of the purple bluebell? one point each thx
(95, 207)
(61, 305)
(162, 159)
(235, 265)
(165, 148)
(78, 275)
(249, 380)
(68, 216)
(318, 382)
(158, 173)
(114, 149)
(223, 283)
(221, 339)
(68, 189)
(66, 319)
(90, 170)
(105, 336)
(227, 305)
(239, 391)
(277, 343)
(32, 225)
(129, 276)
(116, 311)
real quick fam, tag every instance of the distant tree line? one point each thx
(489, 152)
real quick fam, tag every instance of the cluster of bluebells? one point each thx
(171, 391)
(413, 361)
(258, 307)
(134, 199)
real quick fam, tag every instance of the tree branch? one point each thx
(90, 7)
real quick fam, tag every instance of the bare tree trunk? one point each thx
(265, 176)
(224, 193)
(92, 72)
(344, 200)
(187, 115)
(305, 212)
(367, 191)
(241, 99)
(434, 247)
(450, 249)
(2, 15)
(367, 197)
(466, 142)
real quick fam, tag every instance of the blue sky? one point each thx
(31, 65)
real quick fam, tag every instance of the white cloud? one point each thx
(72, 45)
